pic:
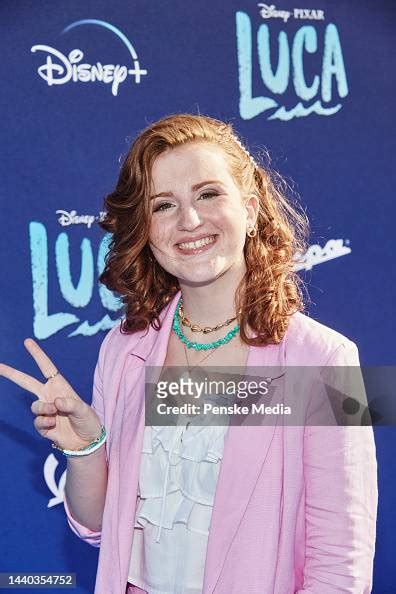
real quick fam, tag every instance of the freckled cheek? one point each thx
(158, 234)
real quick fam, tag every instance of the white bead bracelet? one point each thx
(94, 445)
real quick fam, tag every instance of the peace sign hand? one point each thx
(61, 415)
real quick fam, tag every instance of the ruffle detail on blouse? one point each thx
(178, 478)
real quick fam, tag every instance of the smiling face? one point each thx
(199, 216)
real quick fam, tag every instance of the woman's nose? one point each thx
(189, 218)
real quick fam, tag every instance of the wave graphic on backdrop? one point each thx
(299, 111)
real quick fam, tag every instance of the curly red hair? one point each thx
(270, 291)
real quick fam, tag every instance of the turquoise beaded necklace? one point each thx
(200, 346)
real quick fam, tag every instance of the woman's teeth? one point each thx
(193, 245)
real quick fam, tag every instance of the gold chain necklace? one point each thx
(197, 328)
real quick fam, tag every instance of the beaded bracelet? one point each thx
(85, 451)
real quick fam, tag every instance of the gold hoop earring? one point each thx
(252, 232)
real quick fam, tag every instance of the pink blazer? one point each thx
(295, 508)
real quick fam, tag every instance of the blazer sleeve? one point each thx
(89, 536)
(341, 496)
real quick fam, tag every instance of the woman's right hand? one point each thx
(61, 415)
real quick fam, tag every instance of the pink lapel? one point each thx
(150, 349)
(245, 451)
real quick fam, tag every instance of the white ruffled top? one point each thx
(178, 475)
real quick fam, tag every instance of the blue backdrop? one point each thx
(314, 84)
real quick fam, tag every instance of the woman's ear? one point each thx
(252, 206)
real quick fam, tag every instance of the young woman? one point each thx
(203, 252)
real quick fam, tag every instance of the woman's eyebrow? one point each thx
(194, 188)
